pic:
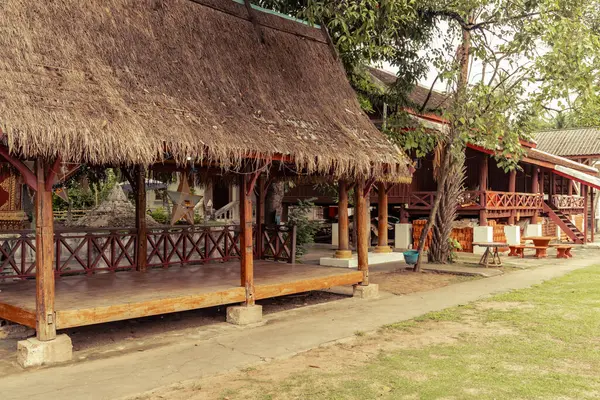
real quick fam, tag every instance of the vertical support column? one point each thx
(247, 260)
(584, 191)
(343, 250)
(382, 220)
(570, 188)
(483, 183)
(535, 188)
(140, 218)
(260, 212)
(44, 257)
(361, 219)
(593, 213)
(248, 312)
(512, 187)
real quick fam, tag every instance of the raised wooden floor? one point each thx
(86, 300)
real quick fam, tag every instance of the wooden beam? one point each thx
(593, 213)
(28, 176)
(343, 250)
(584, 190)
(44, 244)
(247, 259)
(368, 186)
(17, 315)
(252, 19)
(332, 47)
(52, 173)
(140, 218)
(382, 219)
(362, 224)
(512, 187)
(260, 213)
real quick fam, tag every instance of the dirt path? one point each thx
(223, 347)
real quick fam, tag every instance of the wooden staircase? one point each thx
(564, 223)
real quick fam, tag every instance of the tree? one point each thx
(498, 108)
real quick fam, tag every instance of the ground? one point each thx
(316, 341)
(533, 343)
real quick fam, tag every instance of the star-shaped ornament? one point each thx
(183, 201)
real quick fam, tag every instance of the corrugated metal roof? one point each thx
(570, 142)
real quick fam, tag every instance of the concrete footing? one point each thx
(382, 249)
(343, 254)
(370, 291)
(34, 353)
(374, 259)
(244, 315)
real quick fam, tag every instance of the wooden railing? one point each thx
(566, 202)
(279, 243)
(476, 200)
(512, 201)
(82, 251)
(424, 200)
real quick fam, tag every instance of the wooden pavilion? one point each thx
(222, 88)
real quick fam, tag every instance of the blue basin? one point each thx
(411, 256)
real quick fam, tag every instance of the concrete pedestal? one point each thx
(366, 292)
(343, 254)
(34, 353)
(382, 249)
(244, 315)
(335, 234)
(513, 234)
(533, 230)
(482, 234)
(374, 258)
(403, 236)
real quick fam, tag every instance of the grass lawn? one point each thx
(539, 343)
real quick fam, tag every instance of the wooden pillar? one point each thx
(343, 250)
(247, 259)
(535, 188)
(542, 181)
(44, 255)
(584, 191)
(361, 222)
(382, 217)
(552, 187)
(140, 218)
(483, 183)
(570, 188)
(512, 187)
(260, 212)
(593, 214)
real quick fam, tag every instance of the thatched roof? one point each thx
(115, 211)
(120, 81)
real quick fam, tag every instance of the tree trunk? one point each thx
(451, 140)
(274, 202)
(440, 250)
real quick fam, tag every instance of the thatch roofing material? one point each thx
(120, 81)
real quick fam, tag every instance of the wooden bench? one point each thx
(516, 250)
(540, 251)
(563, 250)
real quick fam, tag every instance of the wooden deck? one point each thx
(87, 300)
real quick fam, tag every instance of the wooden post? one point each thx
(584, 191)
(343, 250)
(483, 183)
(542, 181)
(44, 256)
(535, 188)
(552, 187)
(570, 188)
(260, 212)
(247, 261)
(593, 213)
(512, 187)
(382, 220)
(361, 222)
(140, 218)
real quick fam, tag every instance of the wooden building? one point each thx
(220, 88)
(546, 184)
